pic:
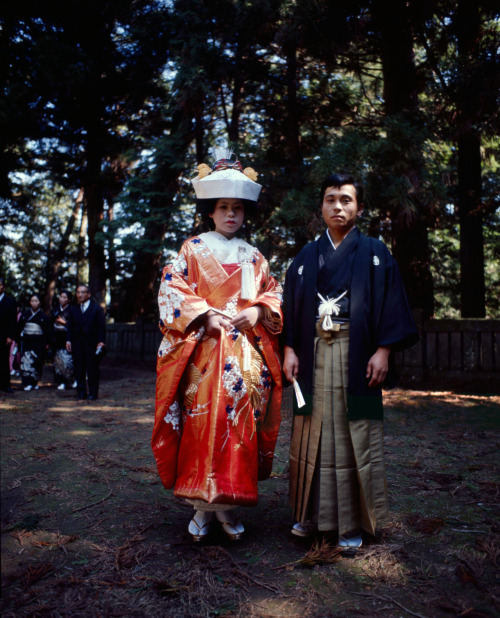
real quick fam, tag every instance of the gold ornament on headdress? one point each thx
(203, 170)
(251, 173)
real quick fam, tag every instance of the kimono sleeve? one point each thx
(178, 301)
(70, 325)
(21, 324)
(287, 337)
(270, 296)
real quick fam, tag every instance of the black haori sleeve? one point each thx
(380, 316)
(299, 313)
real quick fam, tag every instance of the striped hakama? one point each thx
(337, 471)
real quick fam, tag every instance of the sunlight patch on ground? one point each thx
(382, 564)
(70, 409)
(274, 607)
(146, 419)
(398, 397)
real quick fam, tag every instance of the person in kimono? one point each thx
(8, 332)
(345, 312)
(219, 384)
(63, 360)
(15, 353)
(34, 327)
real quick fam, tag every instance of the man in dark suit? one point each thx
(86, 336)
(8, 328)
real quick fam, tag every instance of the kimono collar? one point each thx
(227, 250)
(330, 238)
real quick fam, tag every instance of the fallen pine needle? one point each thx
(318, 554)
(245, 574)
(87, 506)
(390, 600)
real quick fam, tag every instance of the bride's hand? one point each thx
(248, 318)
(215, 323)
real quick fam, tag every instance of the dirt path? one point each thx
(87, 529)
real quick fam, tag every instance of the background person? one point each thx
(15, 353)
(218, 390)
(8, 331)
(345, 311)
(63, 360)
(86, 341)
(35, 331)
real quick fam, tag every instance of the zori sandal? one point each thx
(303, 529)
(351, 543)
(232, 526)
(199, 526)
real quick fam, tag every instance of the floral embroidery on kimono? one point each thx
(173, 416)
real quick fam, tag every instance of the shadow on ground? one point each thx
(87, 529)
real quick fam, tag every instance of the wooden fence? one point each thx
(454, 352)
(450, 353)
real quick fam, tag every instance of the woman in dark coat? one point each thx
(35, 336)
(63, 360)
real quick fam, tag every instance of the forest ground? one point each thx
(88, 530)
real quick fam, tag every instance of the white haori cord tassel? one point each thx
(248, 290)
(298, 393)
(327, 308)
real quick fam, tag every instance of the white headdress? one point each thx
(226, 178)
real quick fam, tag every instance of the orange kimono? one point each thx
(217, 399)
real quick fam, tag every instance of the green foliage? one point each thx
(35, 223)
(445, 247)
(126, 98)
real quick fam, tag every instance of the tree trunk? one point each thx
(110, 247)
(96, 42)
(54, 265)
(81, 262)
(469, 91)
(199, 135)
(410, 248)
(400, 76)
(94, 201)
(233, 123)
(293, 122)
(234, 126)
(410, 235)
(141, 297)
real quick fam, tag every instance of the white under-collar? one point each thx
(330, 238)
(227, 250)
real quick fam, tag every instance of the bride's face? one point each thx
(228, 216)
